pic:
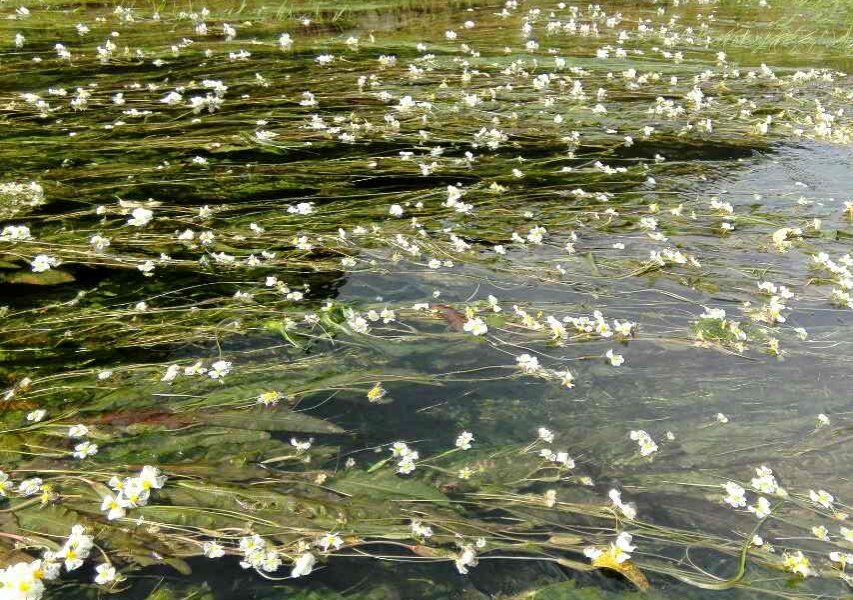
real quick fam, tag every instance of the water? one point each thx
(264, 362)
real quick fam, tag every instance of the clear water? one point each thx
(717, 411)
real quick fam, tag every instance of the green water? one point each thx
(476, 199)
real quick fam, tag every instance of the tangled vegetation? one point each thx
(427, 286)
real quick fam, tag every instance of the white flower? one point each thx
(407, 465)
(150, 478)
(213, 549)
(467, 558)
(43, 262)
(628, 510)
(528, 363)
(303, 565)
(420, 530)
(476, 326)
(36, 415)
(546, 435)
(77, 431)
(566, 378)
(85, 450)
(106, 573)
(140, 217)
(761, 509)
(30, 487)
(735, 495)
(15, 233)
(301, 446)
(114, 505)
(615, 359)
(797, 563)
(622, 548)
(464, 440)
(219, 369)
(76, 548)
(330, 540)
(765, 482)
(592, 553)
(19, 582)
(822, 497)
(6, 484)
(171, 373)
(645, 441)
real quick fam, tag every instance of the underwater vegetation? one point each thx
(426, 299)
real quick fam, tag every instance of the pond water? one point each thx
(399, 299)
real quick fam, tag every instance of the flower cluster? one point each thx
(131, 492)
(407, 456)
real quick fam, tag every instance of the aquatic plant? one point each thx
(290, 287)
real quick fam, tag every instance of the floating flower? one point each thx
(822, 497)
(464, 440)
(213, 549)
(619, 551)
(330, 540)
(105, 573)
(615, 359)
(475, 326)
(376, 393)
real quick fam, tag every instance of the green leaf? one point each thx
(387, 486)
(281, 419)
(51, 277)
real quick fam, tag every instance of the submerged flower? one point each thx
(761, 509)
(797, 563)
(735, 495)
(615, 359)
(528, 364)
(765, 482)
(303, 565)
(645, 441)
(822, 497)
